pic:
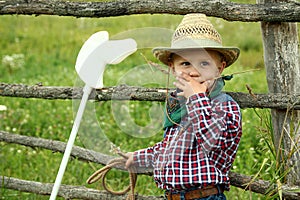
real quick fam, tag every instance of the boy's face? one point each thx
(200, 64)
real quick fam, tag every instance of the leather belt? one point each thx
(195, 194)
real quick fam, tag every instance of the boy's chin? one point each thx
(211, 86)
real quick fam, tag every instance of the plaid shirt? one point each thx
(201, 150)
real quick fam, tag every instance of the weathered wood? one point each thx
(288, 11)
(264, 187)
(123, 92)
(65, 191)
(281, 47)
(237, 180)
(55, 146)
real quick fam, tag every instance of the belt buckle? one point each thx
(166, 196)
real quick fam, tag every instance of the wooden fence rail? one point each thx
(65, 191)
(270, 12)
(124, 92)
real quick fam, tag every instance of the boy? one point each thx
(202, 125)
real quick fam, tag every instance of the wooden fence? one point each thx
(277, 21)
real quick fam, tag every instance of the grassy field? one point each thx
(43, 50)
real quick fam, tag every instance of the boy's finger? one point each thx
(178, 85)
(180, 94)
(181, 81)
(127, 164)
(186, 77)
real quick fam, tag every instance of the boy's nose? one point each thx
(194, 73)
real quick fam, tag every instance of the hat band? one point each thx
(195, 43)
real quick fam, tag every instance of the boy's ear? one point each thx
(223, 65)
(171, 65)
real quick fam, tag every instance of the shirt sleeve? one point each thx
(210, 124)
(145, 157)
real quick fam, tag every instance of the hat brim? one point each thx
(230, 54)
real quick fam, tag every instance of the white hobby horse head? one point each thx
(98, 51)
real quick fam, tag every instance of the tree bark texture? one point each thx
(237, 180)
(281, 54)
(55, 146)
(65, 191)
(287, 12)
(124, 92)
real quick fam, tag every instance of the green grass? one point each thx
(50, 45)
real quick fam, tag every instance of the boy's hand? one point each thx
(190, 85)
(129, 160)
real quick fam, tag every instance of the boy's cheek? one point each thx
(208, 76)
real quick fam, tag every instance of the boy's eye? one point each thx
(204, 64)
(185, 63)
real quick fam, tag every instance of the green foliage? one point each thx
(49, 46)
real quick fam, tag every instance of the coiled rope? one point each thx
(101, 174)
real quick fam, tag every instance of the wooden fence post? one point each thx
(281, 55)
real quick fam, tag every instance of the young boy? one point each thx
(202, 125)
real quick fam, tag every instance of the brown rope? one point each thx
(101, 174)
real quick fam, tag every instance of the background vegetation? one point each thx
(43, 50)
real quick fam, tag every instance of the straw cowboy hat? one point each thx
(196, 32)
